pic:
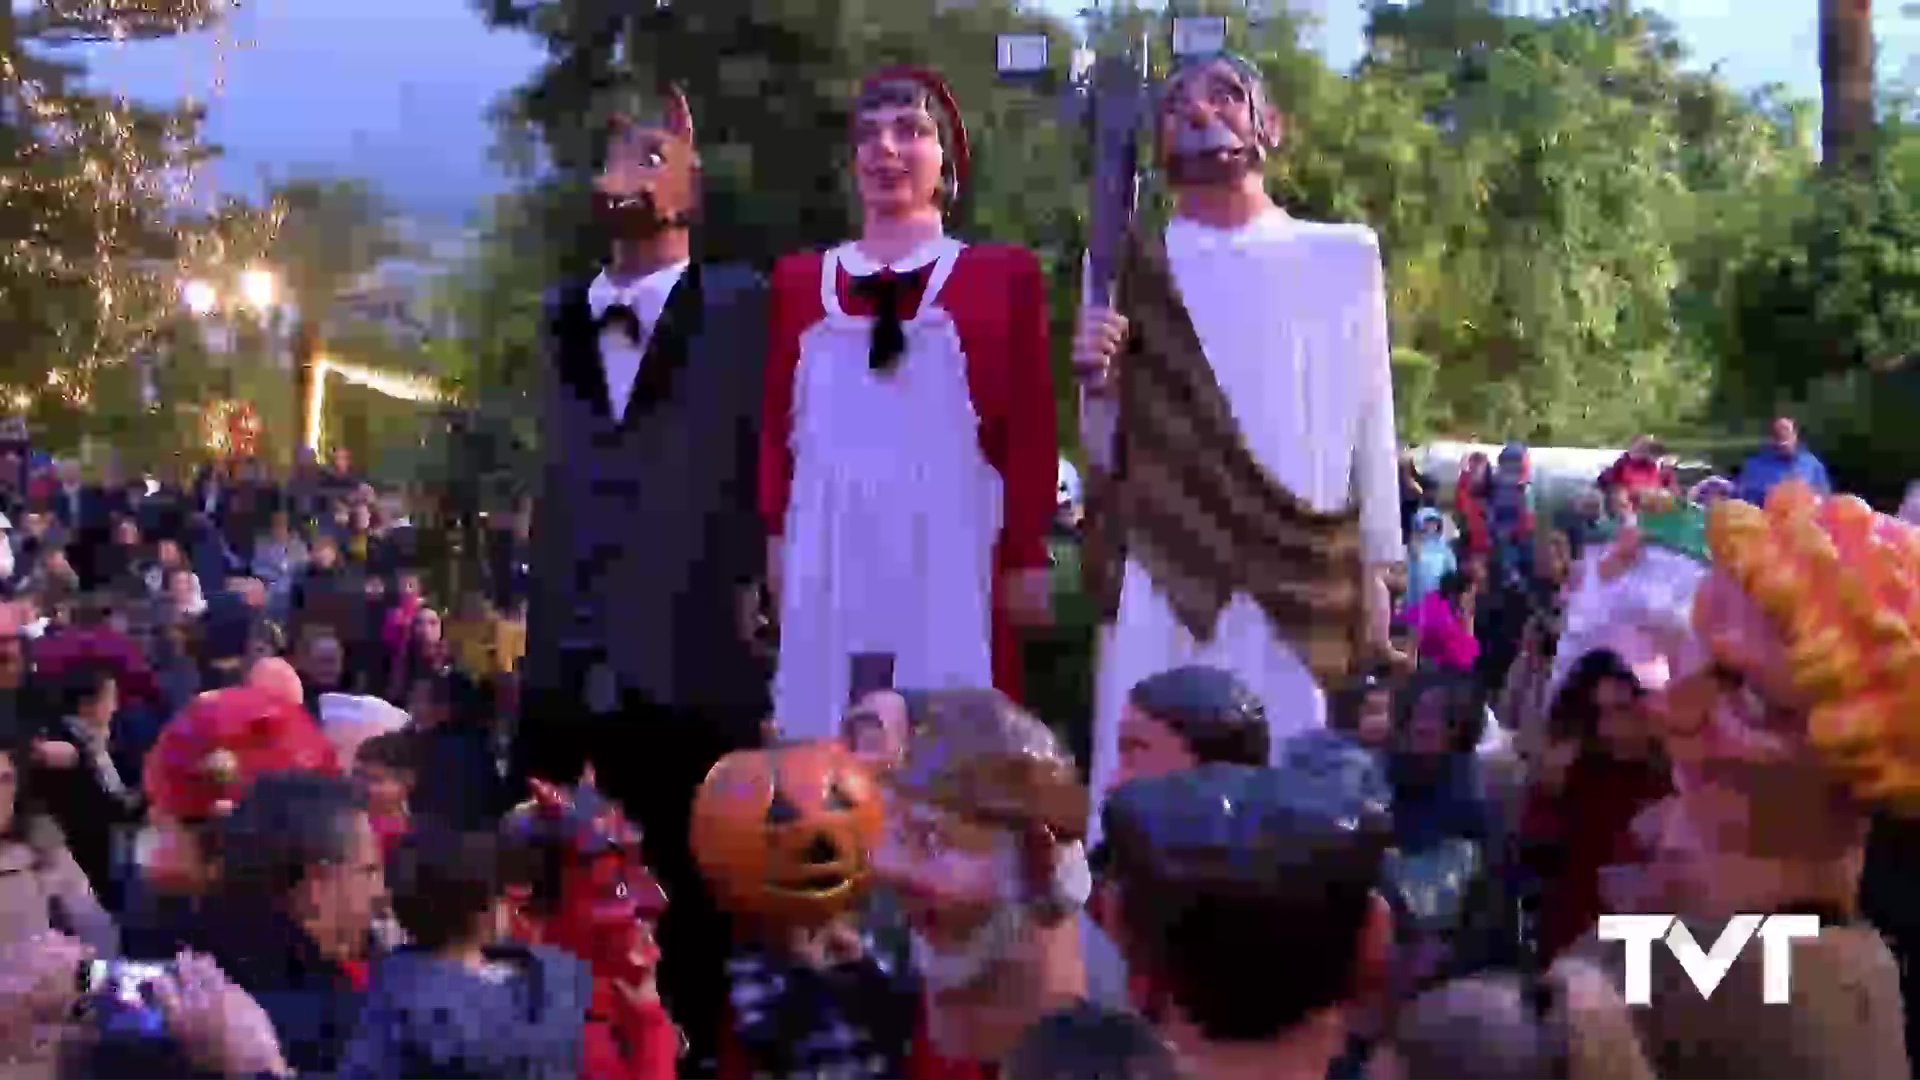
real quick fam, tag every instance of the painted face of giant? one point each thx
(982, 819)
(1216, 124)
(899, 153)
(961, 888)
(602, 901)
(651, 183)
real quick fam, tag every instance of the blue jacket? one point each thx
(1768, 467)
(1430, 558)
(435, 1019)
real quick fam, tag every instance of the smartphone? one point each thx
(868, 672)
(125, 981)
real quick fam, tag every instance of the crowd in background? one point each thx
(1508, 808)
(127, 599)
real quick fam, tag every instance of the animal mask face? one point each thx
(784, 835)
(651, 182)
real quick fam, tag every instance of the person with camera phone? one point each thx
(288, 920)
(50, 923)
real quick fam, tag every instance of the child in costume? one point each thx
(591, 895)
(461, 1001)
(816, 987)
(1781, 651)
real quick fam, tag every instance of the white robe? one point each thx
(1293, 317)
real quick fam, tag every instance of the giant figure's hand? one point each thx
(776, 565)
(1096, 343)
(1027, 596)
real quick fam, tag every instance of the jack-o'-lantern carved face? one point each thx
(784, 835)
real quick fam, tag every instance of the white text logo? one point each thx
(1708, 967)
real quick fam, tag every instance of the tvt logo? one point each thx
(1707, 968)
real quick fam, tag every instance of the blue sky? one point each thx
(396, 90)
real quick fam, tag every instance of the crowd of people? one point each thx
(770, 698)
(1509, 807)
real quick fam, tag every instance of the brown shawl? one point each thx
(1188, 500)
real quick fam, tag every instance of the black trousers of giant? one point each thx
(651, 757)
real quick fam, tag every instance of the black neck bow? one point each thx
(888, 292)
(621, 317)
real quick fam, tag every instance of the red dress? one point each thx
(997, 300)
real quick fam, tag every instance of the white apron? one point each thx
(892, 516)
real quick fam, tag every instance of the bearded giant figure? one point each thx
(983, 856)
(1781, 650)
(1243, 501)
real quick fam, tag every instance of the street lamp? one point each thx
(259, 289)
(1021, 56)
(1199, 35)
(200, 297)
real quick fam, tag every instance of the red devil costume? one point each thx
(908, 455)
(592, 895)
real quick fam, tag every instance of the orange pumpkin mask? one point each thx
(783, 835)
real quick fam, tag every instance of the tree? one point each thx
(769, 81)
(1847, 121)
(85, 201)
(1548, 193)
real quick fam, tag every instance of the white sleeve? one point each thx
(1376, 450)
(1099, 414)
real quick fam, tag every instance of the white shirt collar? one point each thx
(1188, 234)
(859, 264)
(647, 295)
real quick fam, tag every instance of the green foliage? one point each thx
(85, 196)
(769, 81)
(1568, 212)
(332, 231)
(1840, 295)
(1552, 196)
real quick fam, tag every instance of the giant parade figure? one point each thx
(1238, 410)
(1780, 649)
(647, 540)
(908, 457)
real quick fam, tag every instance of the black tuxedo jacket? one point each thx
(646, 528)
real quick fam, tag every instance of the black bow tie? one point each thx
(621, 317)
(888, 292)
